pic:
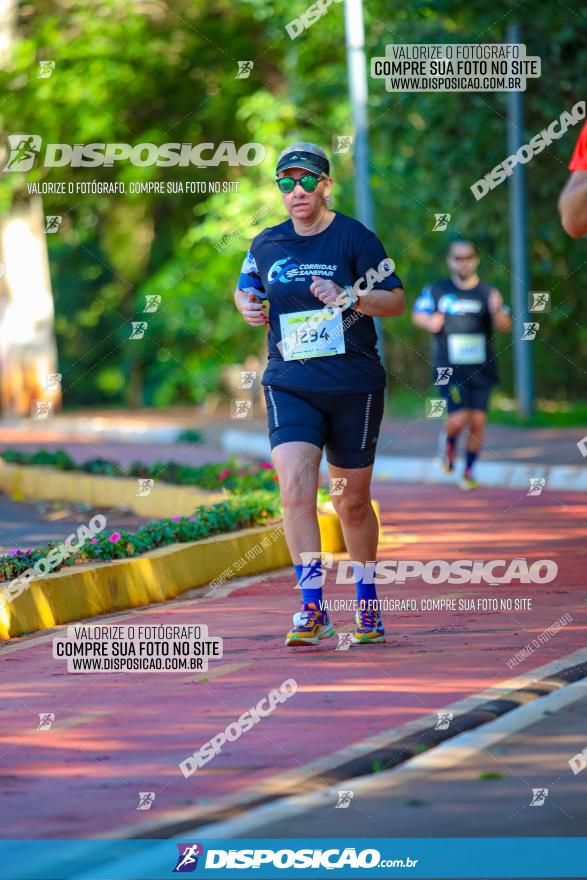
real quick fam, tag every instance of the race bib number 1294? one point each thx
(315, 333)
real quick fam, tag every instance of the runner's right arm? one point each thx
(250, 306)
(250, 293)
(425, 315)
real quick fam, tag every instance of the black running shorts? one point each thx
(347, 424)
(470, 393)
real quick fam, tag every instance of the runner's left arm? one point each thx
(500, 314)
(382, 303)
(375, 303)
(379, 288)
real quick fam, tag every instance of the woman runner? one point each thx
(325, 277)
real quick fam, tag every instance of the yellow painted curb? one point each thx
(72, 594)
(164, 499)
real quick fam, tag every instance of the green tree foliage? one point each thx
(148, 72)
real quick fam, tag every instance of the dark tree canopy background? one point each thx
(167, 72)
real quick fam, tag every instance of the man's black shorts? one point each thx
(347, 424)
(467, 393)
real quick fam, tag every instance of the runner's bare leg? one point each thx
(297, 465)
(355, 511)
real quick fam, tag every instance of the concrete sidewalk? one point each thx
(124, 436)
(407, 450)
(402, 437)
(125, 453)
(427, 469)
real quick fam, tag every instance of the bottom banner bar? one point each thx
(519, 857)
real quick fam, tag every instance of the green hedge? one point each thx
(229, 475)
(255, 499)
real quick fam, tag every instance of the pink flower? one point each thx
(192, 518)
(176, 518)
(93, 540)
(224, 474)
(114, 537)
(14, 552)
(266, 465)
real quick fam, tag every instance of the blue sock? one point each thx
(366, 592)
(451, 445)
(310, 580)
(471, 456)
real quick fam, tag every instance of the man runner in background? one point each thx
(462, 312)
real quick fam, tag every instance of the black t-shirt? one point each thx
(279, 266)
(465, 341)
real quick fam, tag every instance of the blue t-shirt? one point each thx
(466, 319)
(279, 266)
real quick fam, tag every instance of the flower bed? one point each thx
(242, 511)
(255, 498)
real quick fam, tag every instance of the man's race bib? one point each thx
(466, 348)
(316, 333)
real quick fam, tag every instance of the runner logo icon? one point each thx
(444, 374)
(24, 148)
(444, 719)
(344, 800)
(146, 799)
(539, 795)
(441, 222)
(46, 719)
(187, 859)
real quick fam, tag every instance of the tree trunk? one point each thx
(28, 354)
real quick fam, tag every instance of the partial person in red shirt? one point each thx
(572, 203)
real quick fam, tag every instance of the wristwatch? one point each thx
(354, 300)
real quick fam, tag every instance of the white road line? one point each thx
(293, 779)
(454, 751)
(450, 753)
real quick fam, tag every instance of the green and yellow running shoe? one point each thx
(369, 627)
(309, 626)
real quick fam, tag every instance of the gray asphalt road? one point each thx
(487, 795)
(26, 524)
